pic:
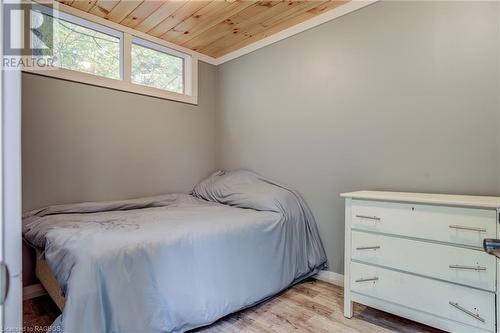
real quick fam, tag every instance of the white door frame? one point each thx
(10, 184)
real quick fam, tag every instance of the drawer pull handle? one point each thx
(464, 310)
(368, 247)
(472, 268)
(467, 228)
(367, 280)
(376, 218)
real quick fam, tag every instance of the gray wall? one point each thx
(84, 143)
(396, 96)
(498, 96)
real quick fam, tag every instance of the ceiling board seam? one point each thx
(239, 24)
(225, 27)
(277, 26)
(111, 15)
(96, 4)
(170, 15)
(238, 10)
(90, 5)
(123, 19)
(184, 19)
(187, 15)
(165, 5)
(294, 14)
(178, 28)
(131, 20)
(144, 19)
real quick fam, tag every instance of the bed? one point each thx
(174, 262)
(48, 280)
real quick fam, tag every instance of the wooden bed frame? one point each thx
(48, 280)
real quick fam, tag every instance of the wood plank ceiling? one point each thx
(215, 27)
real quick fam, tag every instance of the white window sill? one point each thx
(122, 85)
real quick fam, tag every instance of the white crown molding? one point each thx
(330, 277)
(306, 25)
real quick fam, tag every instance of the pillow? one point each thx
(245, 189)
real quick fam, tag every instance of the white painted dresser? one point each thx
(420, 256)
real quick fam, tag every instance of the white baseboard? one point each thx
(33, 291)
(330, 277)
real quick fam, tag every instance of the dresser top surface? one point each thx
(427, 198)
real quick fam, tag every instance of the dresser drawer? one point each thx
(462, 304)
(465, 226)
(460, 265)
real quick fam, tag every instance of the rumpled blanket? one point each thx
(175, 262)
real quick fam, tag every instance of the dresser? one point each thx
(420, 256)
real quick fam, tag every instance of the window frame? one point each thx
(186, 60)
(89, 25)
(127, 37)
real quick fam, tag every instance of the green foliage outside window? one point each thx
(157, 69)
(81, 49)
(85, 50)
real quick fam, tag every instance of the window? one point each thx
(80, 48)
(109, 55)
(155, 68)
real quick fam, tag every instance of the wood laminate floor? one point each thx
(310, 307)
